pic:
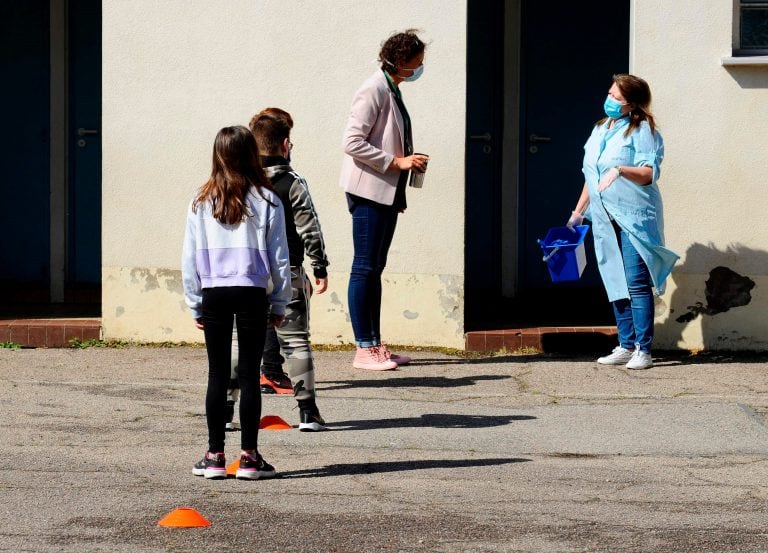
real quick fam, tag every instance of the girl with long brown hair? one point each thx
(233, 245)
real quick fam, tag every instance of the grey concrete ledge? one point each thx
(756, 61)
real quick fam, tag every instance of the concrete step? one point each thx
(49, 333)
(540, 338)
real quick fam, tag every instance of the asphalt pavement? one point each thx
(528, 453)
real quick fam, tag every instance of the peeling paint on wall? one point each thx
(338, 306)
(151, 279)
(451, 298)
(725, 289)
(173, 281)
(425, 309)
(146, 276)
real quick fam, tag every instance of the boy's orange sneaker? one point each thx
(276, 385)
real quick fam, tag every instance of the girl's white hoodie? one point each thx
(249, 253)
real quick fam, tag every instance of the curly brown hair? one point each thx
(400, 48)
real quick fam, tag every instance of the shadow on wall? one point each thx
(749, 76)
(727, 285)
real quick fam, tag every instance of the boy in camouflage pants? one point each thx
(272, 128)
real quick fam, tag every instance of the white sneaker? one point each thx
(231, 425)
(640, 360)
(619, 356)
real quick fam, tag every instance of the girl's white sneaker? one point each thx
(619, 356)
(640, 360)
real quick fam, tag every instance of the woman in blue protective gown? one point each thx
(621, 197)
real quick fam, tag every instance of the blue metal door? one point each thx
(568, 56)
(564, 55)
(50, 237)
(24, 143)
(485, 105)
(84, 190)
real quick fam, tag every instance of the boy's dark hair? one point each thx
(271, 127)
(400, 48)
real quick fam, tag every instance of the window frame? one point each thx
(737, 49)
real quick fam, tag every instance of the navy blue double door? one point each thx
(537, 76)
(51, 187)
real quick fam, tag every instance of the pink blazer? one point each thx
(372, 138)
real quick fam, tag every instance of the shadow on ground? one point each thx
(430, 421)
(408, 381)
(567, 349)
(347, 469)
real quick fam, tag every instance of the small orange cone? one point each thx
(232, 467)
(183, 517)
(273, 422)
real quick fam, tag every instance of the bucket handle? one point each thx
(549, 256)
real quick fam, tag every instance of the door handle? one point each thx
(86, 132)
(535, 139)
(485, 136)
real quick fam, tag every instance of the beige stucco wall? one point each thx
(714, 120)
(176, 71)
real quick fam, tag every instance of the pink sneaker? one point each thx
(399, 359)
(373, 359)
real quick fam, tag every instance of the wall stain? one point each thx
(146, 275)
(335, 301)
(451, 298)
(410, 315)
(725, 289)
(152, 277)
(119, 311)
(173, 281)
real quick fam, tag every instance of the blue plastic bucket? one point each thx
(564, 253)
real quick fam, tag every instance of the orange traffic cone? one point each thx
(232, 467)
(273, 422)
(183, 517)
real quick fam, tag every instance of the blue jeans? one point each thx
(634, 316)
(373, 226)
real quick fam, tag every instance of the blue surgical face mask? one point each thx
(416, 73)
(613, 107)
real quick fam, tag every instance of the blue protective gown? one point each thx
(636, 209)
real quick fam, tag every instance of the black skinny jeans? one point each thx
(220, 305)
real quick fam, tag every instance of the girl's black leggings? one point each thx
(220, 306)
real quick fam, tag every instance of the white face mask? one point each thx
(416, 73)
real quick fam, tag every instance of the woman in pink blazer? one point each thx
(378, 155)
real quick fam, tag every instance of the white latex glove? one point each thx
(608, 179)
(574, 221)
